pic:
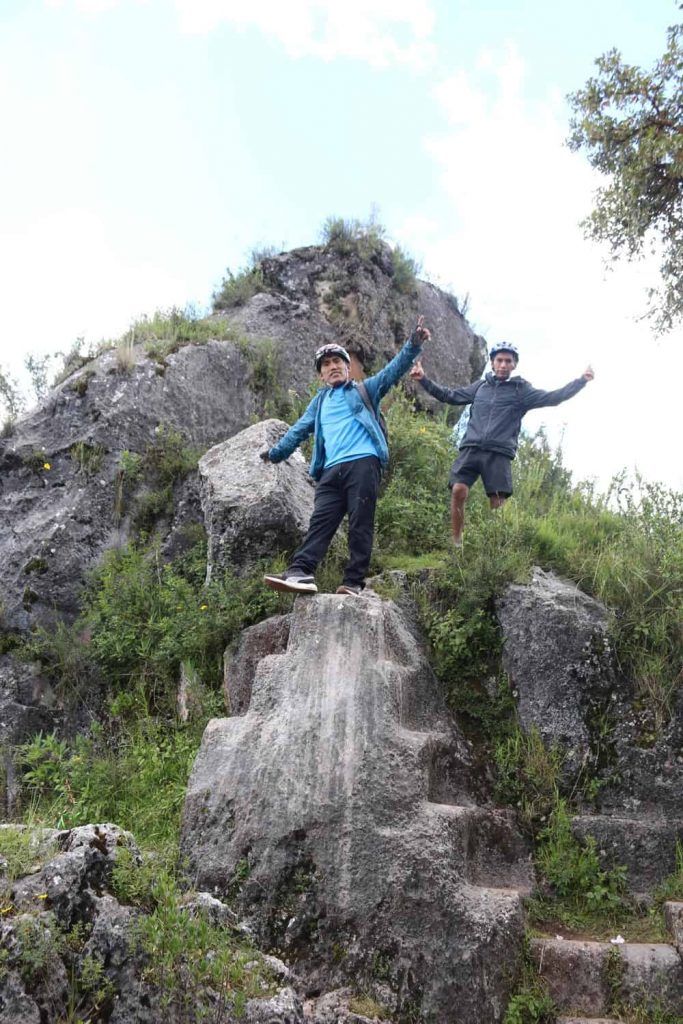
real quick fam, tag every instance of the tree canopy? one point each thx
(629, 122)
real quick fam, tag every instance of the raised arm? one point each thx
(535, 398)
(381, 382)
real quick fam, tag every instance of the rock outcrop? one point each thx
(338, 813)
(62, 921)
(253, 509)
(557, 654)
(60, 470)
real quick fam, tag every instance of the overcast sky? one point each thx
(150, 144)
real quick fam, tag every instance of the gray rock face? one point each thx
(239, 667)
(68, 892)
(580, 979)
(253, 509)
(554, 652)
(322, 794)
(314, 296)
(55, 522)
(646, 847)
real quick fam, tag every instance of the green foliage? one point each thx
(580, 888)
(530, 1003)
(88, 457)
(188, 956)
(135, 776)
(406, 270)
(11, 401)
(263, 357)
(237, 289)
(629, 122)
(37, 461)
(168, 330)
(528, 775)
(412, 512)
(353, 237)
(366, 1006)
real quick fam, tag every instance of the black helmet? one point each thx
(331, 350)
(505, 347)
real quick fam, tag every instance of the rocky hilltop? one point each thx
(351, 806)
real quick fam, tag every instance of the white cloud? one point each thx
(380, 32)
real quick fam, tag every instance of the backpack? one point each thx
(376, 413)
(460, 428)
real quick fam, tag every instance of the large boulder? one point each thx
(252, 509)
(338, 814)
(556, 653)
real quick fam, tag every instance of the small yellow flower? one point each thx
(41, 896)
(46, 465)
(203, 607)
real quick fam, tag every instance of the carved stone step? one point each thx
(586, 978)
(673, 915)
(587, 1020)
(646, 847)
(493, 852)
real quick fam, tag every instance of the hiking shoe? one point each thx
(348, 589)
(291, 581)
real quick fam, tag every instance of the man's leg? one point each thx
(329, 508)
(496, 477)
(459, 495)
(362, 479)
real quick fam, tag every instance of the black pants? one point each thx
(348, 487)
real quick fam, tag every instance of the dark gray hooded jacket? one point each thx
(498, 407)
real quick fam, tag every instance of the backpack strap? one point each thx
(363, 392)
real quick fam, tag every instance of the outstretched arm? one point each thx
(534, 398)
(297, 433)
(452, 396)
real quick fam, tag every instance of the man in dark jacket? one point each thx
(490, 443)
(349, 453)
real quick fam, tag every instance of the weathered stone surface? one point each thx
(653, 973)
(673, 915)
(322, 789)
(283, 1008)
(645, 847)
(239, 667)
(574, 973)
(554, 652)
(16, 1006)
(54, 523)
(587, 1020)
(313, 296)
(580, 980)
(66, 885)
(253, 509)
(27, 706)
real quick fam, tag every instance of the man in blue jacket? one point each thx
(490, 443)
(349, 453)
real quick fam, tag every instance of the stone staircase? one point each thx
(587, 980)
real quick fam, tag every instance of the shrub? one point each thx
(347, 237)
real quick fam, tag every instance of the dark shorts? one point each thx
(494, 469)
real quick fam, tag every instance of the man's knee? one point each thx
(459, 494)
(497, 500)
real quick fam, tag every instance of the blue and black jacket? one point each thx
(498, 407)
(377, 386)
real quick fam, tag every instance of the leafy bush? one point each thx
(406, 270)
